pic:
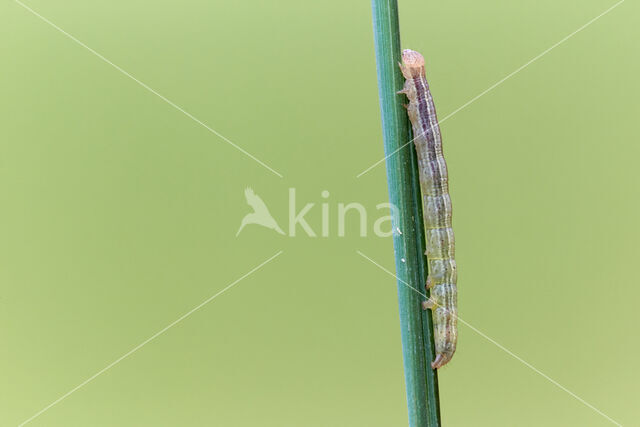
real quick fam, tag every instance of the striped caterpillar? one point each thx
(436, 207)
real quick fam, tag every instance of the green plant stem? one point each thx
(404, 193)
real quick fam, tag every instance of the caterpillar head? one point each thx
(412, 64)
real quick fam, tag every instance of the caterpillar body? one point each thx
(434, 185)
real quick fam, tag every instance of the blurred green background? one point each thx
(119, 213)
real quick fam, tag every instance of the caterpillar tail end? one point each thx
(441, 360)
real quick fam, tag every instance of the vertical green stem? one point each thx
(404, 193)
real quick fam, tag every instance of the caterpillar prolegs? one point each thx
(434, 186)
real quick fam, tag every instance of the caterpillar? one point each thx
(434, 186)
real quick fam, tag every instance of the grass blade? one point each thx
(404, 192)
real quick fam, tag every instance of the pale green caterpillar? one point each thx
(436, 207)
